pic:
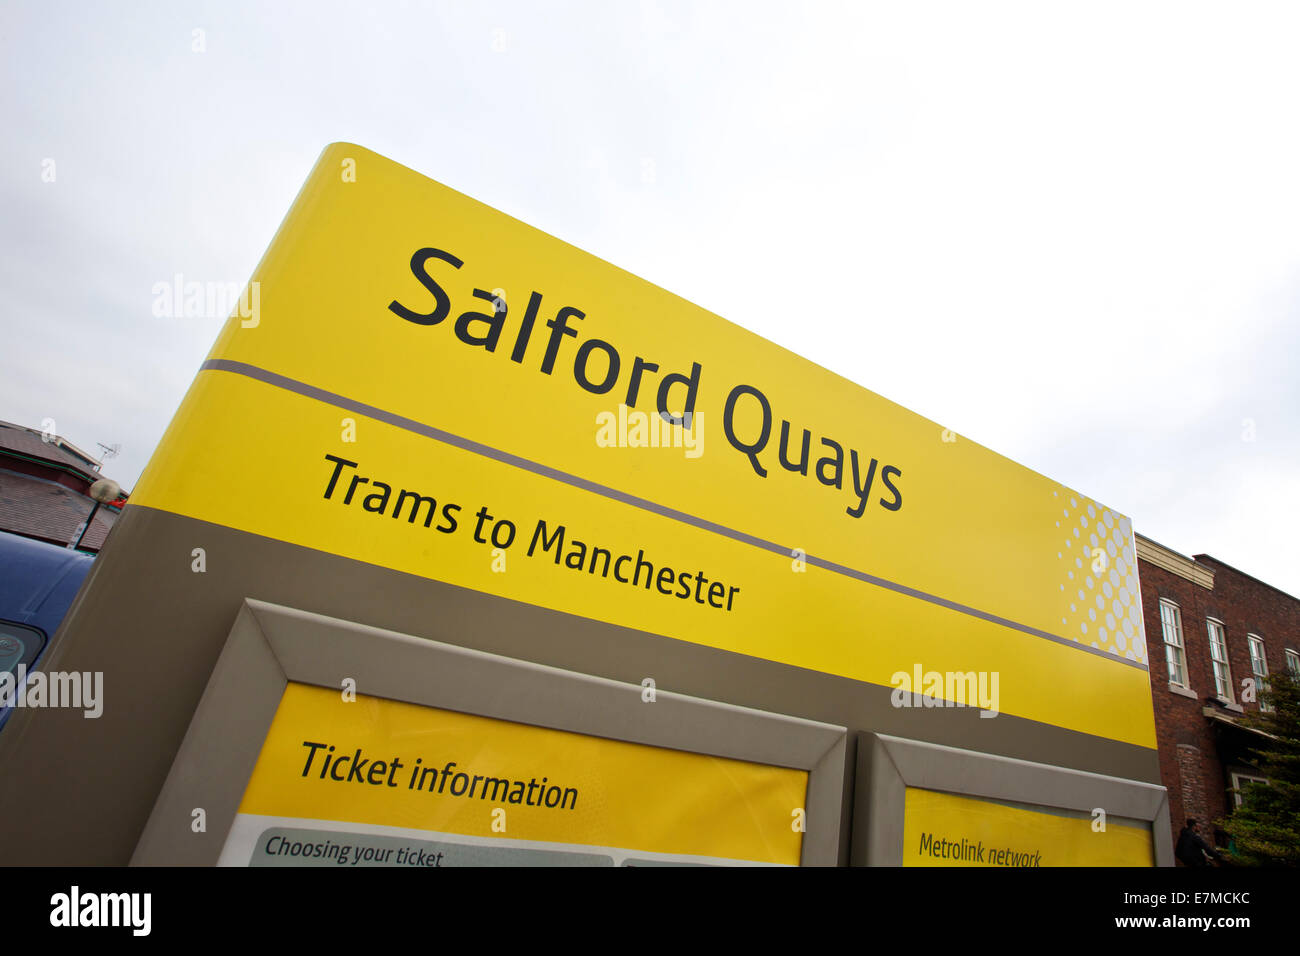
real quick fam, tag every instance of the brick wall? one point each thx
(1249, 606)
(1189, 743)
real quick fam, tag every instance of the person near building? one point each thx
(1192, 850)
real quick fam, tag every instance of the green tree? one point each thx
(1265, 829)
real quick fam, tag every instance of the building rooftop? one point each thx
(32, 443)
(49, 511)
(1228, 567)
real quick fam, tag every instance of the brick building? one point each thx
(45, 489)
(1212, 632)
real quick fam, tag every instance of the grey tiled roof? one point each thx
(29, 443)
(45, 509)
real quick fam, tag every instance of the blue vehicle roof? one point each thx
(38, 581)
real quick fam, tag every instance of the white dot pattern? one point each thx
(1109, 563)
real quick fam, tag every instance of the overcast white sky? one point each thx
(1070, 232)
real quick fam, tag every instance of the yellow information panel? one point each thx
(420, 382)
(944, 829)
(376, 782)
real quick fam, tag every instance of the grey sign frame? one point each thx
(271, 645)
(888, 765)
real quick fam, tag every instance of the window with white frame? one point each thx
(1240, 781)
(1175, 656)
(1219, 660)
(1293, 663)
(1259, 664)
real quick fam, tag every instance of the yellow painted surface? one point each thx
(607, 793)
(973, 527)
(944, 829)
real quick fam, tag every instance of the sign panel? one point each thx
(425, 384)
(377, 782)
(945, 829)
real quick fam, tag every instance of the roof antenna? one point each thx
(108, 451)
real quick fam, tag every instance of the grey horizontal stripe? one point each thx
(505, 457)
